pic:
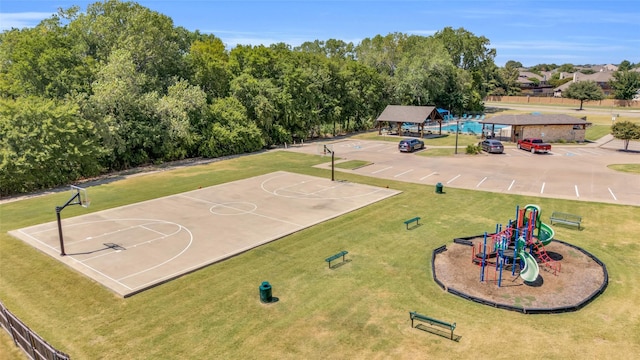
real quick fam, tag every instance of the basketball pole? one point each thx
(332, 162)
(58, 211)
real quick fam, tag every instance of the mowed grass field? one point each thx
(356, 311)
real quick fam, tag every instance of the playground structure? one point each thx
(519, 246)
(523, 249)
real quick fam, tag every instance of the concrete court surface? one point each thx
(132, 248)
(576, 172)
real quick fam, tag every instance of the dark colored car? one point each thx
(409, 145)
(492, 146)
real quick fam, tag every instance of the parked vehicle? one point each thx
(492, 146)
(534, 145)
(410, 145)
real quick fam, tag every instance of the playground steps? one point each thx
(553, 265)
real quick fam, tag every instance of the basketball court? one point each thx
(135, 247)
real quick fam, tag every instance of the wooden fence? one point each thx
(549, 100)
(31, 343)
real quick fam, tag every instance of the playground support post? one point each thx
(484, 257)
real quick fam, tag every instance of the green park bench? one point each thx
(431, 321)
(341, 254)
(415, 219)
(564, 218)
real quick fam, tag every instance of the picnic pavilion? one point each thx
(394, 116)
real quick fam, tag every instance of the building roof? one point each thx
(601, 77)
(535, 119)
(409, 114)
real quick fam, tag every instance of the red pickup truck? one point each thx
(534, 145)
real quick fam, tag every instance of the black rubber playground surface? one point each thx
(132, 248)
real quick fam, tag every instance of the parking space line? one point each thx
(577, 193)
(481, 181)
(402, 173)
(381, 170)
(542, 188)
(457, 176)
(510, 186)
(424, 177)
(611, 192)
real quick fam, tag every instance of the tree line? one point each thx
(118, 86)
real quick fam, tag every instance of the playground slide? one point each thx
(531, 270)
(545, 233)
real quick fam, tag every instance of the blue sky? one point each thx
(528, 31)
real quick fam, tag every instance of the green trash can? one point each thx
(265, 292)
(439, 188)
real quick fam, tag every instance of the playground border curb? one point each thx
(556, 310)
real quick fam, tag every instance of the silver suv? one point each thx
(409, 145)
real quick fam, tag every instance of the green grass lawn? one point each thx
(357, 311)
(630, 168)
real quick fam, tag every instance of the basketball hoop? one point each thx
(78, 197)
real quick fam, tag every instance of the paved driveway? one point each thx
(577, 172)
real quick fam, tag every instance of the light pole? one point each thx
(457, 122)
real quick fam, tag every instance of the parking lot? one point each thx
(576, 172)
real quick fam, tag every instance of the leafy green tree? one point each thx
(382, 52)
(626, 131)
(543, 67)
(364, 94)
(44, 143)
(259, 98)
(467, 51)
(625, 65)
(180, 113)
(420, 75)
(157, 48)
(513, 64)
(625, 84)
(473, 54)
(228, 131)
(506, 81)
(569, 68)
(121, 109)
(42, 61)
(455, 94)
(209, 60)
(332, 48)
(584, 91)
(555, 80)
